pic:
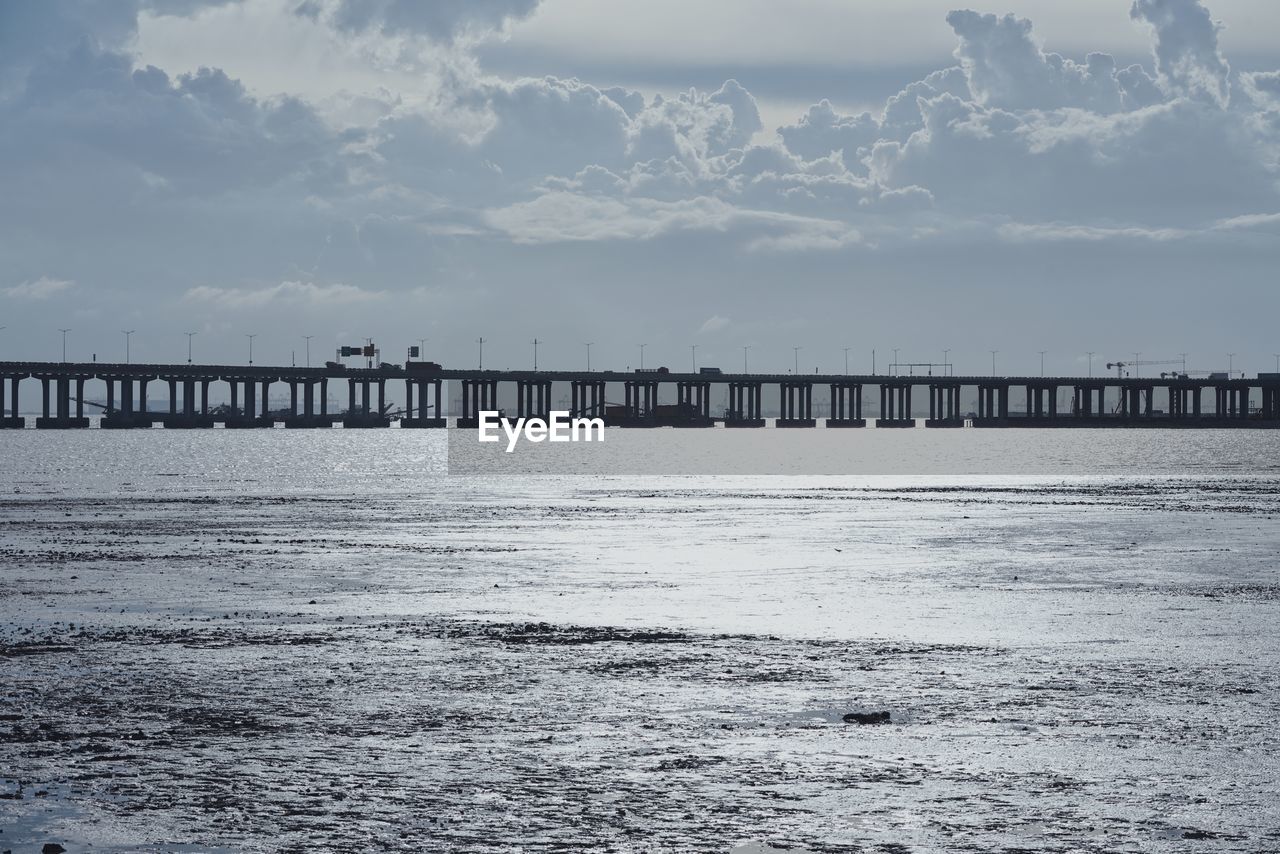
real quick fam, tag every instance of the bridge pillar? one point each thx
(324, 397)
(408, 400)
(308, 399)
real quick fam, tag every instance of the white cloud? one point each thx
(714, 323)
(40, 289)
(1186, 48)
(307, 293)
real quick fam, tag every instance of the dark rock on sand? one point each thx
(866, 718)
(52, 848)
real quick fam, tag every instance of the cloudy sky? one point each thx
(1096, 175)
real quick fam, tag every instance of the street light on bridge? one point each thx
(189, 335)
(127, 333)
(251, 337)
(64, 343)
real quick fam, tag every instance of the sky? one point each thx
(742, 177)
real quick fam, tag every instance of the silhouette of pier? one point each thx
(121, 397)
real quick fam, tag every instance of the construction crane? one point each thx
(1120, 366)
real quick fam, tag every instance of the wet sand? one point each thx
(1067, 665)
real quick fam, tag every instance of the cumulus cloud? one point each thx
(1186, 48)
(438, 19)
(1013, 143)
(39, 289)
(1006, 68)
(303, 293)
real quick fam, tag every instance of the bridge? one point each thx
(892, 400)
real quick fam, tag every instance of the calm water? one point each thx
(320, 640)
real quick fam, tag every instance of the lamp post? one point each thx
(642, 346)
(946, 361)
(308, 338)
(796, 352)
(1136, 369)
(535, 354)
(846, 361)
(894, 366)
(480, 341)
(126, 333)
(1042, 352)
(588, 346)
(693, 357)
(993, 362)
(251, 337)
(64, 343)
(1090, 354)
(745, 348)
(189, 335)
(1231, 362)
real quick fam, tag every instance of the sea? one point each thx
(672, 641)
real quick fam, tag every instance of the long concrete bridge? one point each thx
(891, 401)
